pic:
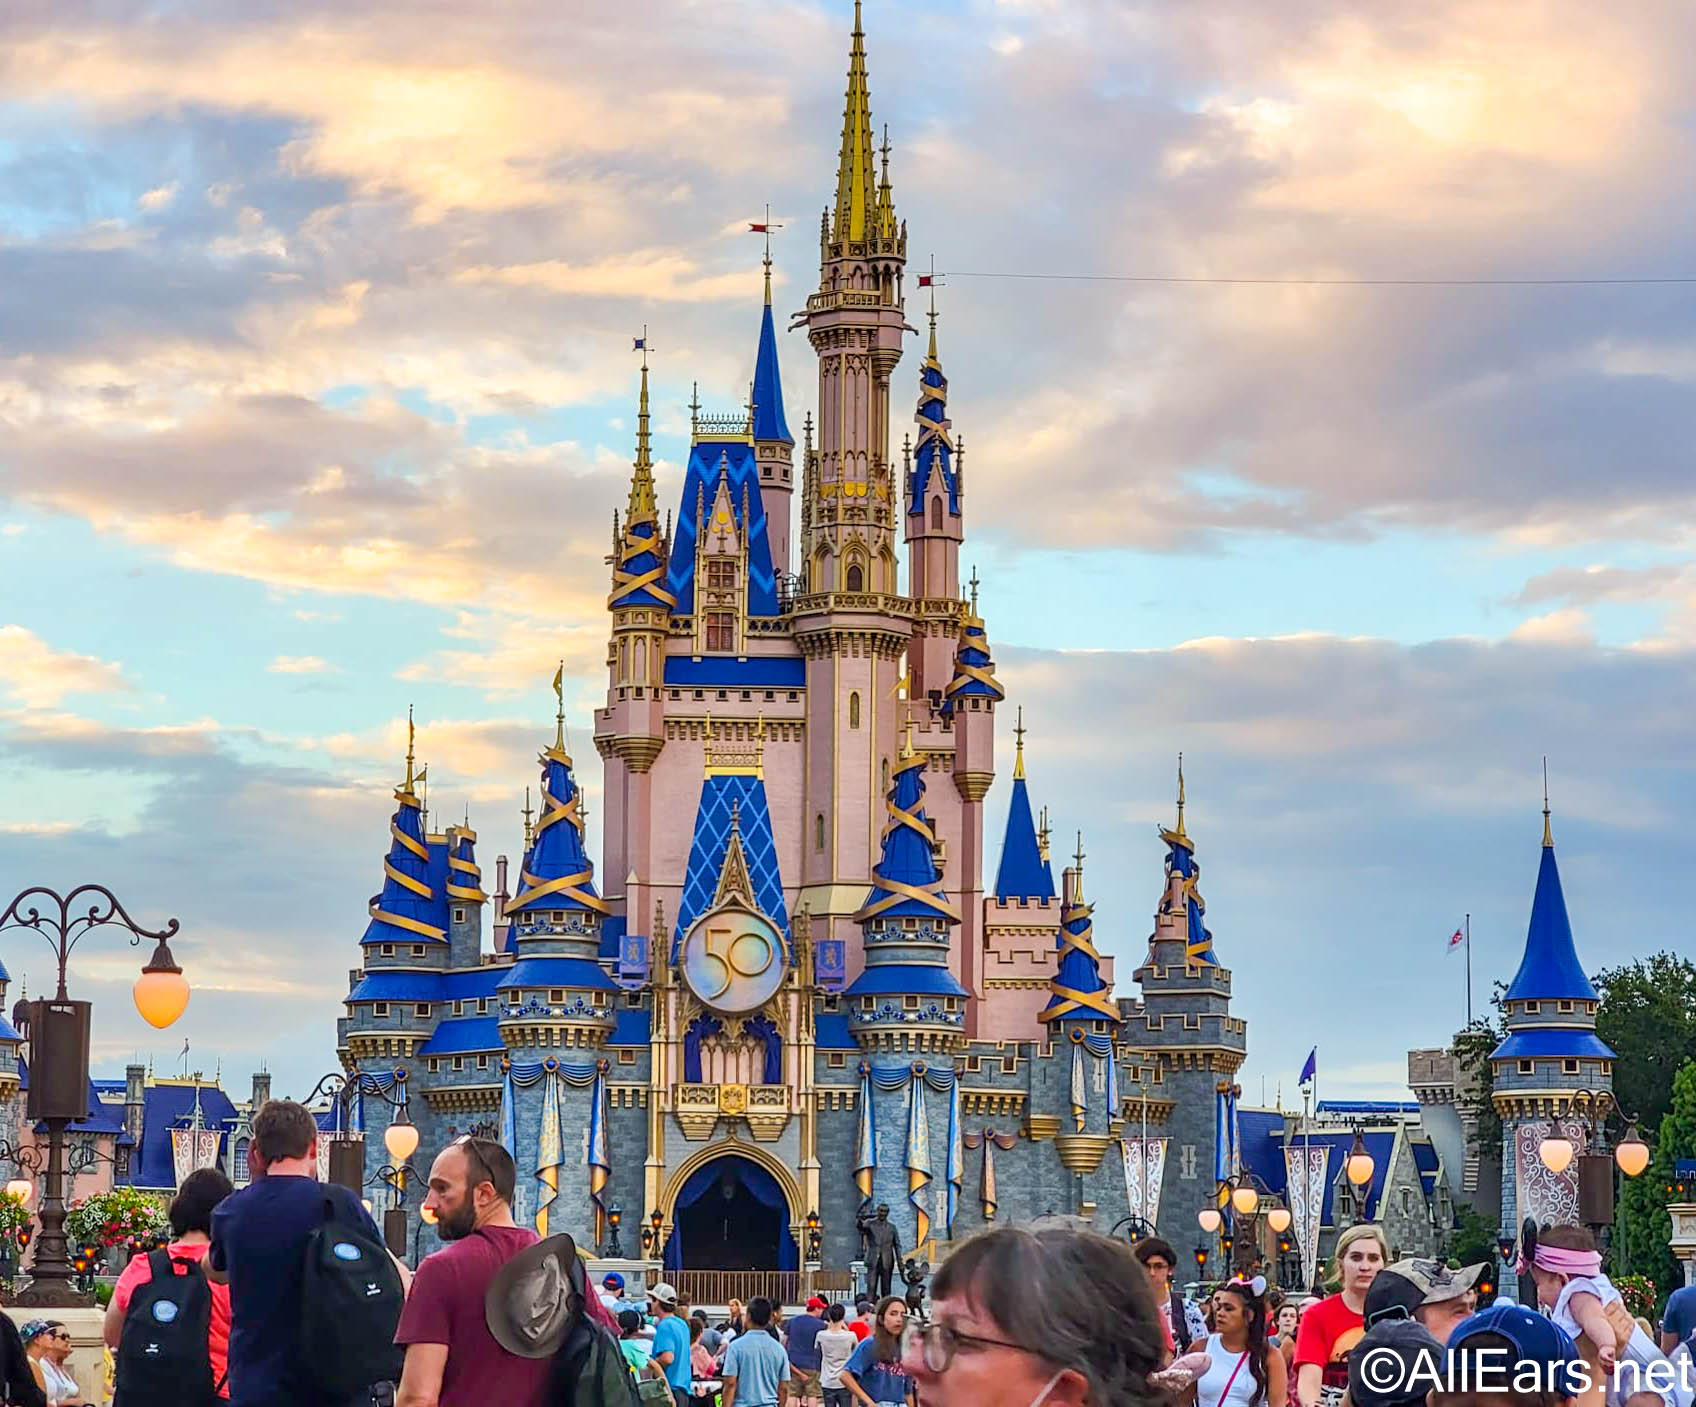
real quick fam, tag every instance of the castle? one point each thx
(784, 994)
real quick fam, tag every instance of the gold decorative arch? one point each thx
(729, 1148)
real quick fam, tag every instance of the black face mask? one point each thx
(458, 1225)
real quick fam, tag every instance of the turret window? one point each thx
(421, 1009)
(856, 577)
(459, 915)
(417, 950)
(854, 710)
(1532, 1008)
(936, 515)
(385, 950)
(379, 1008)
(818, 831)
(721, 574)
(721, 631)
(1569, 1067)
(1528, 1067)
(1563, 1005)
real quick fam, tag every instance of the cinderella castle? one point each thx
(784, 994)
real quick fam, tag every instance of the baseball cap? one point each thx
(612, 1280)
(1399, 1289)
(665, 1294)
(1474, 1362)
(1397, 1362)
(814, 1305)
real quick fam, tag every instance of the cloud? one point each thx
(158, 198)
(36, 675)
(299, 664)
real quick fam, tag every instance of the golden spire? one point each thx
(559, 717)
(1078, 863)
(528, 812)
(855, 199)
(1180, 828)
(1019, 743)
(932, 287)
(885, 194)
(406, 786)
(642, 506)
(1548, 833)
(1042, 835)
(974, 586)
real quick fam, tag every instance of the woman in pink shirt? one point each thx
(191, 1236)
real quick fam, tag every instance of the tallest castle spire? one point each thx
(856, 188)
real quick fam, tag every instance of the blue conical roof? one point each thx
(465, 878)
(557, 873)
(769, 423)
(1023, 873)
(1079, 990)
(1180, 859)
(409, 906)
(974, 670)
(933, 456)
(906, 881)
(1550, 967)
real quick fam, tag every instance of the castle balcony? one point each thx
(699, 1107)
(364, 1046)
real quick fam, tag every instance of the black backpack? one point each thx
(350, 1304)
(1180, 1325)
(164, 1355)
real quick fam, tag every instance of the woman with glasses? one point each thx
(48, 1343)
(1050, 1318)
(876, 1375)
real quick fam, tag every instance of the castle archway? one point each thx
(732, 1208)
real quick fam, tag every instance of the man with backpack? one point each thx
(314, 1295)
(452, 1358)
(168, 1326)
(1184, 1324)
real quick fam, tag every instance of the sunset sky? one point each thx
(316, 397)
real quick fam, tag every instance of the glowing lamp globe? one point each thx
(1245, 1200)
(1279, 1220)
(1360, 1167)
(1632, 1155)
(365, 1202)
(1209, 1219)
(161, 992)
(401, 1138)
(429, 1215)
(1556, 1154)
(20, 1190)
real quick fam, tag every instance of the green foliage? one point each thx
(1643, 1227)
(1473, 1239)
(103, 1293)
(1638, 1292)
(114, 1218)
(1473, 1080)
(14, 1216)
(1647, 1013)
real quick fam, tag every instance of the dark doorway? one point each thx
(731, 1215)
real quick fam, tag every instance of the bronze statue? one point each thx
(881, 1249)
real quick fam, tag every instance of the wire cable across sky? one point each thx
(1329, 282)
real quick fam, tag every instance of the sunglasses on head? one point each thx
(473, 1147)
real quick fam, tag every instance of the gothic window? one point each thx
(854, 709)
(818, 831)
(936, 515)
(886, 774)
(641, 661)
(721, 574)
(240, 1162)
(721, 630)
(856, 577)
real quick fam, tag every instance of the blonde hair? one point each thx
(1361, 1231)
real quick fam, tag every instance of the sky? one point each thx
(316, 397)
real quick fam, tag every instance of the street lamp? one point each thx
(59, 1039)
(1360, 1165)
(401, 1136)
(815, 1238)
(1245, 1199)
(615, 1215)
(1632, 1153)
(1209, 1219)
(1556, 1153)
(1279, 1219)
(1200, 1259)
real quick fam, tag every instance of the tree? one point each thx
(1473, 1239)
(1643, 1227)
(1647, 1013)
(1474, 1081)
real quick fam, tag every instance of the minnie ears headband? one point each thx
(1256, 1286)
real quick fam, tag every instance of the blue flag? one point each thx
(1311, 1068)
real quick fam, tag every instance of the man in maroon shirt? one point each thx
(452, 1360)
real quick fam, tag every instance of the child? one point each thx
(1571, 1289)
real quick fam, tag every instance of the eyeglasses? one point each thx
(938, 1343)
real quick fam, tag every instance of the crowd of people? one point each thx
(283, 1295)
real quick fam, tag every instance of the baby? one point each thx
(1572, 1290)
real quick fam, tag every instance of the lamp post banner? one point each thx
(1549, 1198)
(1304, 1180)
(1145, 1170)
(194, 1149)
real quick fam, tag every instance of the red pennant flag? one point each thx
(926, 280)
(758, 229)
(1454, 942)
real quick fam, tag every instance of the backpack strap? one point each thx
(161, 1266)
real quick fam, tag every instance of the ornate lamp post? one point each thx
(615, 1217)
(59, 1038)
(815, 1237)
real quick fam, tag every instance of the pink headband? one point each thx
(1558, 1261)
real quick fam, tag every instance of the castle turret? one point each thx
(1184, 1033)
(465, 898)
(774, 446)
(1551, 1052)
(935, 507)
(409, 910)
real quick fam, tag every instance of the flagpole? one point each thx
(1469, 969)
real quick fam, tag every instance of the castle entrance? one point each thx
(731, 1215)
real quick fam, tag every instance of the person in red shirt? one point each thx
(860, 1326)
(452, 1360)
(191, 1238)
(1331, 1328)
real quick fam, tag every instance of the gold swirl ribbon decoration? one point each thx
(1197, 949)
(558, 810)
(1077, 935)
(465, 878)
(640, 566)
(407, 800)
(897, 890)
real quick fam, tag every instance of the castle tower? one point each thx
(935, 524)
(1183, 1030)
(465, 898)
(1551, 1052)
(1021, 921)
(774, 446)
(848, 622)
(968, 710)
(907, 1012)
(630, 731)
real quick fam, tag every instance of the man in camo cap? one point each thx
(1426, 1291)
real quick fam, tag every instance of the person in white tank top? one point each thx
(1246, 1370)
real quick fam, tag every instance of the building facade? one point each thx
(785, 996)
